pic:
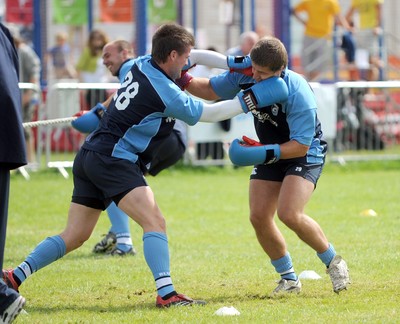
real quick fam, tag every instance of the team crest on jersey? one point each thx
(275, 110)
(263, 117)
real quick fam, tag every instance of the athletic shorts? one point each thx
(367, 40)
(278, 171)
(100, 179)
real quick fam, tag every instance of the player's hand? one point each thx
(88, 121)
(250, 152)
(184, 81)
(240, 64)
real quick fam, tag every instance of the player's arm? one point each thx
(88, 120)
(264, 93)
(219, 61)
(201, 88)
(293, 149)
(247, 151)
(106, 103)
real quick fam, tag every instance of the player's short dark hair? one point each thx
(269, 52)
(170, 37)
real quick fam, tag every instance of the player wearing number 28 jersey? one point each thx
(142, 113)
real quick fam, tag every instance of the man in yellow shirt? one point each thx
(321, 18)
(369, 29)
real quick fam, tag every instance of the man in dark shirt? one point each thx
(12, 156)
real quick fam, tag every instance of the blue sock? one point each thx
(119, 220)
(120, 227)
(156, 253)
(124, 241)
(46, 252)
(327, 256)
(284, 267)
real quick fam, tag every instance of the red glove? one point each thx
(247, 71)
(88, 120)
(184, 80)
(240, 64)
(250, 142)
(80, 113)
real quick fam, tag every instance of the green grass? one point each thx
(214, 252)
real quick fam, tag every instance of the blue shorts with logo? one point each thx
(278, 171)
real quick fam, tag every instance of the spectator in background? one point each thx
(90, 67)
(60, 57)
(367, 30)
(321, 18)
(29, 72)
(246, 43)
(12, 156)
(349, 48)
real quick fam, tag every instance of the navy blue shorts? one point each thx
(278, 171)
(100, 179)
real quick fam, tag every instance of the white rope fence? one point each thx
(59, 165)
(48, 122)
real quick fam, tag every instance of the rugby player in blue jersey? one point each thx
(118, 240)
(288, 159)
(110, 165)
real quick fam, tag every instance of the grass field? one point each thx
(214, 252)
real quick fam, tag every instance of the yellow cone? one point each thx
(369, 212)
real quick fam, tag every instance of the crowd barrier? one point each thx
(359, 119)
(368, 121)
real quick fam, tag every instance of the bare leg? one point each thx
(263, 201)
(80, 225)
(294, 195)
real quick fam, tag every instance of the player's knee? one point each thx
(75, 240)
(257, 219)
(290, 218)
(153, 223)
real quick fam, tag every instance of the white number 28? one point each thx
(132, 88)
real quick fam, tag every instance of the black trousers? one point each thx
(4, 197)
